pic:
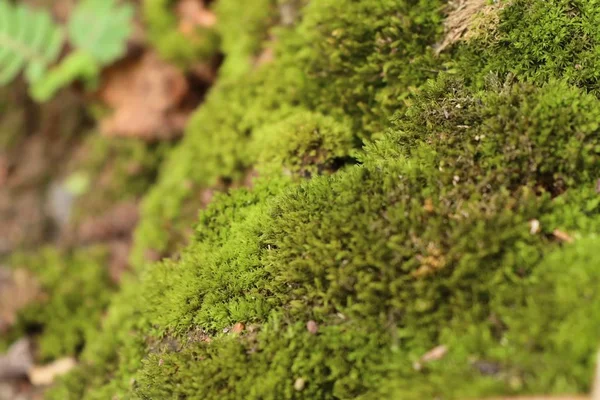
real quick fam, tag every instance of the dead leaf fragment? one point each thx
(437, 353)
(47, 374)
(238, 328)
(428, 206)
(562, 236)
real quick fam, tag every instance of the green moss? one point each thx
(541, 337)
(112, 354)
(445, 233)
(216, 149)
(243, 29)
(173, 44)
(304, 144)
(362, 57)
(76, 288)
(509, 135)
(538, 41)
(213, 153)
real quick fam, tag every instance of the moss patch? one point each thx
(76, 288)
(453, 227)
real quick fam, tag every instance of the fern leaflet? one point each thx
(29, 40)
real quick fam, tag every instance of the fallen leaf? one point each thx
(47, 374)
(146, 96)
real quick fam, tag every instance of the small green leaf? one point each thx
(101, 28)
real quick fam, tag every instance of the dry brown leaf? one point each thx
(238, 328)
(146, 95)
(47, 374)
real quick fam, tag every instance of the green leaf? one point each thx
(77, 65)
(101, 28)
(29, 40)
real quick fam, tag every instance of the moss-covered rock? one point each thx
(303, 78)
(537, 41)
(470, 221)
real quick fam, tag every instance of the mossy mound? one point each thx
(217, 149)
(470, 220)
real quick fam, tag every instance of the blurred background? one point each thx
(93, 96)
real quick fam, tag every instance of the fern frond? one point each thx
(29, 40)
(101, 28)
(76, 66)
